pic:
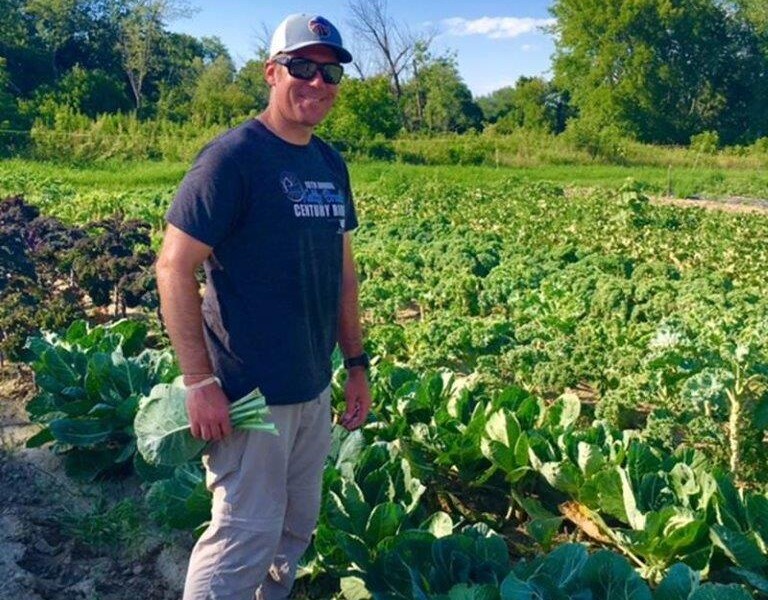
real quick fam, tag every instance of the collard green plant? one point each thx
(163, 432)
(89, 381)
(181, 501)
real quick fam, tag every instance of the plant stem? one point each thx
(734, 426)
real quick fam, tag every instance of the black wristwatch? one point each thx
(357, 361)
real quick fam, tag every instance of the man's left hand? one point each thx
(358, 396)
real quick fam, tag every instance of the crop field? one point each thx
(570, 380)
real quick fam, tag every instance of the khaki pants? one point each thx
(266, 500)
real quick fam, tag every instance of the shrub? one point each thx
(72, 135)
(604, 142)
(706, 142)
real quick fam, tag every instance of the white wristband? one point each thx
(204, 383)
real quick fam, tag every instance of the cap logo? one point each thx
(320, 27)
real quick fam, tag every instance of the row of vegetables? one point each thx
(426, 499)
(476, 474)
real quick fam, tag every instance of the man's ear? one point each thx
(270, 73)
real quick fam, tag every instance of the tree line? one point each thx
(659, 71)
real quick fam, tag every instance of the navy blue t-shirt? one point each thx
(274, 214)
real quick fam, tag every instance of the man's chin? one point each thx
(312, 120)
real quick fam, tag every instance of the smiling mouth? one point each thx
(313, 100)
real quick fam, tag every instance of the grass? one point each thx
(111, 529)
(26, 177)
(678, 182)
(108, 176)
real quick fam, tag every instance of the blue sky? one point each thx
(495, 42)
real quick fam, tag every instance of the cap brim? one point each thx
(343, 55)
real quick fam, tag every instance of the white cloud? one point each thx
(494, 27)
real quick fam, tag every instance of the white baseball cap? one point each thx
(302, 30)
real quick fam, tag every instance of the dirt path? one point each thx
(58, 540)
(732, 204)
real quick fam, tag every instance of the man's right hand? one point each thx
(208, 410)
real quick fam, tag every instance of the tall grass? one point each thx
(527, 148)
(680, 182)
(74, 137)
(114, 183)
(70, 136)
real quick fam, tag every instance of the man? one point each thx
(267, 209)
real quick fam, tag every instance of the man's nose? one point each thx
(317, 78)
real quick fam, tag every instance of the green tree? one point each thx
(213, 48)
(173, 82)
(92, 92)
(8, 107)
(217, 98)
(250, 79)
(659, 70)
(437, 100)
(497, 104)
(142, 29)
(756, 12)
(364, 109)
(56, 22)
(28, 62)
(533, 103)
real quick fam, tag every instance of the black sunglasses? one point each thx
(303, 68)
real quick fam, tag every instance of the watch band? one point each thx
(357, 361)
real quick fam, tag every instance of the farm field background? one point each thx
(37, 178)
(558, 359)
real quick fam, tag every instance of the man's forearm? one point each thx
(180, 306)
(350, 333)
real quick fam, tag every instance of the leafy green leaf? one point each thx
(605, 492)
(162, 425)
(353, 588)
(384, 522)
(610, 577)
(438, 524)
(641, 459)
(564, 412)
(679, 583)
(505, 445)
(40, 438)
(740, 548)
(716, 591)
(732, 511)
(464, 591)
(181, 502)
(513, 588)
(757, 514)
(756, 580)
(544, 530)
(87, 463)
(635, 518)
(355, 548)
(563, 476)
(52, 373)
(590, 459)
(564, 564)
(684, 483)
(81, 432)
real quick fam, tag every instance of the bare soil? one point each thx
(47, 551)
(736, 204)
